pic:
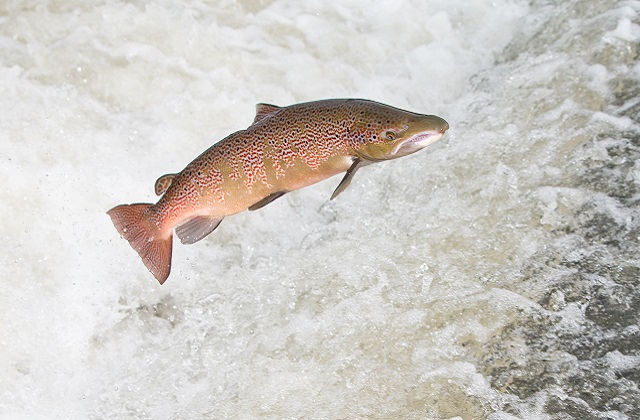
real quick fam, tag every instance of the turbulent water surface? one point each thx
(494, 275)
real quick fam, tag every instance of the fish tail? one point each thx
(133, 224)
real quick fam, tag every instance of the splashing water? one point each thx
(494, 275)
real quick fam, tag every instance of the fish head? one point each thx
(395, 134)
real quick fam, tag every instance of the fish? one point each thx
(283, 150)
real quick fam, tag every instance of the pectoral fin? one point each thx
(271, 197)
(196, 229)
(357, 164)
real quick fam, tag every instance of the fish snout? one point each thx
(440, 124)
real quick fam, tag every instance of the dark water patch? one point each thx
(613, 174)
(614, 307)
(578, 350)
(561, 408)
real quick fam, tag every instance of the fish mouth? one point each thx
(418, 142)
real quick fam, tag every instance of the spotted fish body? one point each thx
(286, 148)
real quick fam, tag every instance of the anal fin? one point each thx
(271, 197)
(357, 164)
(196, 229)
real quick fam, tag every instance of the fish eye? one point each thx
(390, 135)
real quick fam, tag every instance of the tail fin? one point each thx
(134, 225)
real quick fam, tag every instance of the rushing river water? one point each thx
(494, 275)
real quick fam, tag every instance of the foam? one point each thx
(473, 279)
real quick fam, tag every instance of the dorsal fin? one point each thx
(163, 183)
(262, 110)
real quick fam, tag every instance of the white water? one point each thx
(494, 275)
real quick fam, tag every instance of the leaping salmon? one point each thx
(286, 148)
